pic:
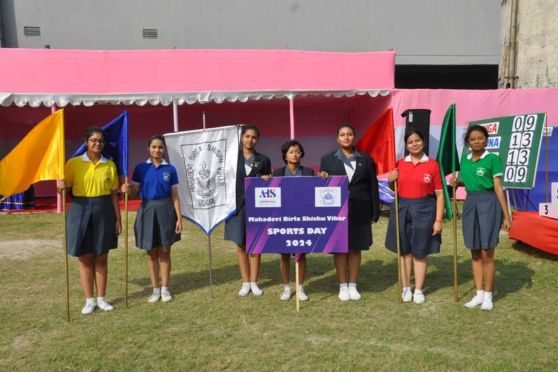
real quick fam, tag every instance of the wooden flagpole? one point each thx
(126, 244)
(455, 273)
(66, 268)
(398, 244)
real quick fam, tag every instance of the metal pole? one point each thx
(291, 116)
(175, 115)
(210, 266)
(58, 195)
(297, 283)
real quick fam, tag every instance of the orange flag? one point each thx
(379, 142)
(38, 157)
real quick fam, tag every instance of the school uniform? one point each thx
(285, 172)
(364, 199)
(255, 166)
(156, 219)
(91, 218)
(482, 213)
(416, 189)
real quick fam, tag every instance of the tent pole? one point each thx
(291, 116)
(175, 114)
(58, 195)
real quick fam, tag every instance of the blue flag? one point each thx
(116, 143)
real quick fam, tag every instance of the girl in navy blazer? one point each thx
(364, 206)
(250, 164)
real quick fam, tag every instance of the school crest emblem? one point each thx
(426, 178)
(481, 171)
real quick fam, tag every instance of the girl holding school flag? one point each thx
(94, 217)
(292, 152)
(484, 211)
(364, 206)
(250, 164)
(421, 209)
(159, 219)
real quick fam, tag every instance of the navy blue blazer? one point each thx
(305, 171)
(364, 198)
(261, 167)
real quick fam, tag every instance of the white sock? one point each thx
(488, 296)
(417, 291)
(480, 293)
(157, 290)
(287, 287)
(343, 285)
(253, 283)
(301, 288)
(165, 289)
(352, 285)
(406, 289)
(99, 299)
(89, 300)
(245, 284)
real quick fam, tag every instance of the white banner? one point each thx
(206, 162)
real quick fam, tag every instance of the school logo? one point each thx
(267, 197)
(426, 178)
(481, 171)
(166, 176)
(327, 196)
(205, 172)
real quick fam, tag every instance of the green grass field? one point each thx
(197, 332)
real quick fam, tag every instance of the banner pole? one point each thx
(546, 183)
(291, 116)
(398, 244)
(210, 266)
(66, 255)
(509, 202)
(126, 244)
(203, 119)
(454, 220)
(297, 283)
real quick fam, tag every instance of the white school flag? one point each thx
(206, 160)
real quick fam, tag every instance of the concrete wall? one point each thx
(432, 32)
(537, 43)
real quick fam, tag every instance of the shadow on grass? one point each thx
(532, 251)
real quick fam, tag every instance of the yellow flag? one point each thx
(38, 157)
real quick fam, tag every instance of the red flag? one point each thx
(379, 142)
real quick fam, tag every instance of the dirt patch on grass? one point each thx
(26, 249)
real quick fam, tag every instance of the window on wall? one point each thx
(150, 33)
(31, 31)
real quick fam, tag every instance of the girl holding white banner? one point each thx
(364, 206)
(250, 164)
(292, 152)
(159, 220)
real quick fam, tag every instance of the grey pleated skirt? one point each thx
(482, 217)
(156, 224)
(235, 227)
(91, 226)
(416, 219)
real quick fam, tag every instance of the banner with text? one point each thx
(297, 215)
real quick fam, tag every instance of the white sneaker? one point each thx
(166, 296)
(476, 301)
(301, 295)
(344, 294)
(89, 308)
(244, 290)
(407, 295)
(155, 297)
(255, 289)
(353, 294)
(418, 298)
(286, 295)
(487, 304)
(104, 305)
